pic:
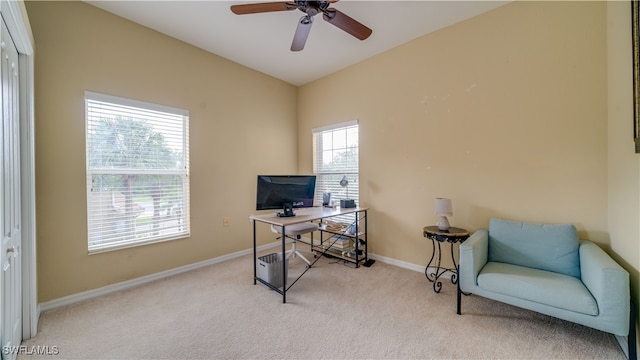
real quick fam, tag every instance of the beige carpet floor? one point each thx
(334, 312)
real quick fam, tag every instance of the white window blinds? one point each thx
(137, 172)
(335, 155)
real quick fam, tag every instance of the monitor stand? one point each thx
(287, 210)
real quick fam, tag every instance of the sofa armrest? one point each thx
(473, 256)
(608, 282)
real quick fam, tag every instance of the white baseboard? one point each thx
(399, 263)
(90, 294)
(406, 265)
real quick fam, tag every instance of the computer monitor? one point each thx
(285, 192)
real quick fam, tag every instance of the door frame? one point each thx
(15, 16)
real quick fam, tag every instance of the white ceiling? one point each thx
(262, 41)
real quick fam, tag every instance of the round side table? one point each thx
(437, 236)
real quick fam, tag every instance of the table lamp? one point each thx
(346, 203)
(443, 209)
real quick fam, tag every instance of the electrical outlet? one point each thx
(226, 221)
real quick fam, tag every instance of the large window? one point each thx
(137, 172)
(335, 155)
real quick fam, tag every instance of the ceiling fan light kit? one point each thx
(310, 8)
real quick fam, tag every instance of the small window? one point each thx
(137, 172)
(335, 155)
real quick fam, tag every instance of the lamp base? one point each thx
(443, 223)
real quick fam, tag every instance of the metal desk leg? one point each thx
(366, 235)
(255, 270)
(357, 238)
(284, 267)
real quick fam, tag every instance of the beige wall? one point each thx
(236, 113)
(624, 164)
(522, 113)
(505, 113)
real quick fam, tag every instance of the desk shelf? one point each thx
(355, 252)
(357, 256)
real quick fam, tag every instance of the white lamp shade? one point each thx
(444, 207)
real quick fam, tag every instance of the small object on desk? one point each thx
(287, 210)
(452, 235)
(326, 199)
(348, 203)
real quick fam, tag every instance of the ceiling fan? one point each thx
(310, 8)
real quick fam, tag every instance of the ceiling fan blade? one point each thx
(263, 7)
(302, 32)
(346, 23)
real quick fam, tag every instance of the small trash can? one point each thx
(270, 269)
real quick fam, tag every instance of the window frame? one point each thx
(353, 174)
(183, 219)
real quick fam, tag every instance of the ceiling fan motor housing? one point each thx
(312, 8)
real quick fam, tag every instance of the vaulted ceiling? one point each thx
(263, 41)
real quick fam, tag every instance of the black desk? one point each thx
(437, 236)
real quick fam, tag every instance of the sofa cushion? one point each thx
(540, 286)
(539, 246)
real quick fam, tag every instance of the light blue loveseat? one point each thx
(547, 269)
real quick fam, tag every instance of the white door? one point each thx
(10, 209)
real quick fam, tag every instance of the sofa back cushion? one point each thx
(539, 246)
